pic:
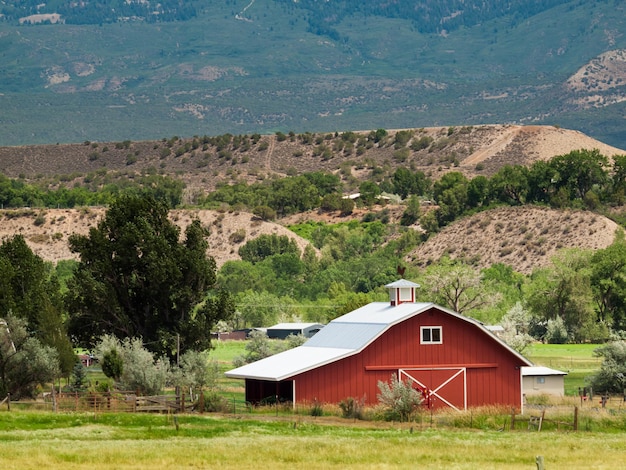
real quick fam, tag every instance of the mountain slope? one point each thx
(248, 66)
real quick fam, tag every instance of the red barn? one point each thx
(453, 360)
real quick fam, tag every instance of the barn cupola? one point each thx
(401, 292)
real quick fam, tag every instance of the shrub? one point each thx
(264, 212)
(316, 409)
(398, 398)
(351, 408)
(421, 143)
(213, 402)
(40, 220)
(238, 236)
(556, 333)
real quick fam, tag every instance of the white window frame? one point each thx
(541, 380)
(431, 329)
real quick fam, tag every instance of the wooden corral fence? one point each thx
(535, 420)
(118, 402)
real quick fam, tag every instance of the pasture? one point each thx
(469, 440)
(35, 440)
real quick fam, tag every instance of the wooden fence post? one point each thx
(512, 419)
(539, 461)
(575, 418)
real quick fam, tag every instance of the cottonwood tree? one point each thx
(608, 282)
(458, 287)
(135, 279)
(25, 362)
(563, 290)
(516, 323)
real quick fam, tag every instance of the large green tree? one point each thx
(579, 170)
(563, 290)
(136, 278)
(29, 290)
(608, 282)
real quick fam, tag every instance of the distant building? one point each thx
(453, 360)
(543, 380)
(282, 330)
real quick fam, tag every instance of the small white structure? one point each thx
(538, 380)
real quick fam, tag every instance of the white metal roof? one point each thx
(540, 370)
(288, 363)
(343, 337)
(402, 283)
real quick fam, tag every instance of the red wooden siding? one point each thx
(492, 374)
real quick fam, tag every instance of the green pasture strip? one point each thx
(84, 441)
(225, 351)
(575, 359)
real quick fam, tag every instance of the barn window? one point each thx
(406, 294)
(541, 380)
(431, 335)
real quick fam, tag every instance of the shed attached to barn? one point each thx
(538, 380)
(453, 360)
(282, 330)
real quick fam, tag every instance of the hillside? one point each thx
(204, 163)
(49, 240)
(523, 237)
(107, 71)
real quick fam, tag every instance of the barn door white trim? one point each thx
(435, 392)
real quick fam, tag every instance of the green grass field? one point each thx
(282, 439)
(35, 440)
(575, 359)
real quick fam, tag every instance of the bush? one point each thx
(141, 371)
(213, 402)
(351, 408)
(556, 333)
(40, 220)
(238, 236)
(398, 398)
(317, 410)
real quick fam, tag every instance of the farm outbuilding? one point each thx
(453, 360)
(282, 330)
(539, 380)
